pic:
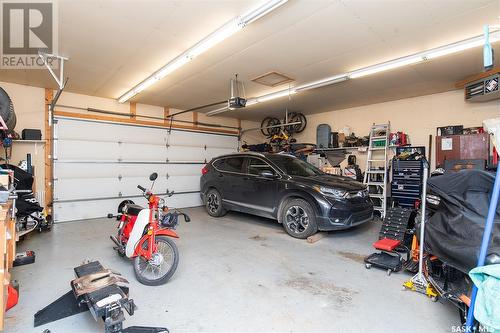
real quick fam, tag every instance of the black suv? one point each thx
(297, 194)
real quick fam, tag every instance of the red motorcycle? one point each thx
(145, 234)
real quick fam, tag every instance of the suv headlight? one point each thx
(331, 192)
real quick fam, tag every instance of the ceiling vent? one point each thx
(272, 79)
(483, 90)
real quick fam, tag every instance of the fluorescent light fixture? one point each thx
(261, 11)
(203, 45)
(275, 95)
(127, 96)
(252, 101)
(461, 46)
(386, 66)
(172, 66)
(215, 38)
(321, 83)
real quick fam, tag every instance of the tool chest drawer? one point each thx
(399, 165)
(406, 188)
(406, 185)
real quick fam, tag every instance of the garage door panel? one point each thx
(184, 183)
(69, 129)
(184, 170)
(107, 170)
(211, 153)
(100, 164)
(184, 200)
(80, 188)
(141, 152)
(70, 211)
(185, 154)
(86, 150)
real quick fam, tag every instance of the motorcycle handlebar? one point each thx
(141, 188)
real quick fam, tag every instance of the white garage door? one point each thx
(99, 164)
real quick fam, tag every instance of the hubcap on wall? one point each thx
(213, 203)
(296, 219)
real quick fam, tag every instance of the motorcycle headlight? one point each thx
(331, 192)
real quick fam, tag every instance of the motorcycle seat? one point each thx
(132, 209)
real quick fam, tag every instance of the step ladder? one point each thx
(376, 166)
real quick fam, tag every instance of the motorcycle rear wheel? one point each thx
(162, 265)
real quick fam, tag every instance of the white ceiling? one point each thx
(113, 45)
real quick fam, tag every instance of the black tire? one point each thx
(294, 117)
(270, 121)
(141, 265)
(123, 204)
(298, 218)
(7, 110)
(213, 203)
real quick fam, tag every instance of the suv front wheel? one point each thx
(213, 203)
(298, 218)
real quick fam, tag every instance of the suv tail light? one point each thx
(204, 171)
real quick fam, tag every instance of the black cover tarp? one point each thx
(455, 231)
(26, 203)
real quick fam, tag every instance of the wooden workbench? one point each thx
(7, 253)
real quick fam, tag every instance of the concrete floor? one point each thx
(238, 273)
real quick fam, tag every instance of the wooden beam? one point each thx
(49, 195)
(133, 110)
(195, 119)
(117, 119)
(316, 237)
(166, 112)
(462, 83)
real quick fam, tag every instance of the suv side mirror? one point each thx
(267, 174)
(153, 176)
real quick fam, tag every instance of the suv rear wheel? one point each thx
(298, 218)
(213, 203)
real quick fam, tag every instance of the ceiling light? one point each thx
(206, 43)
(322, 83)
(215, 38)
(252, 101)
(261, 11)
(385, 66)
(172, 66)
(461, 46)
(278, 94)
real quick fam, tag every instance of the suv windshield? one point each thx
(293, 166)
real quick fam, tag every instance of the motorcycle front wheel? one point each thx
(162, 265)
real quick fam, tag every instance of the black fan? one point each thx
(7, 110)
